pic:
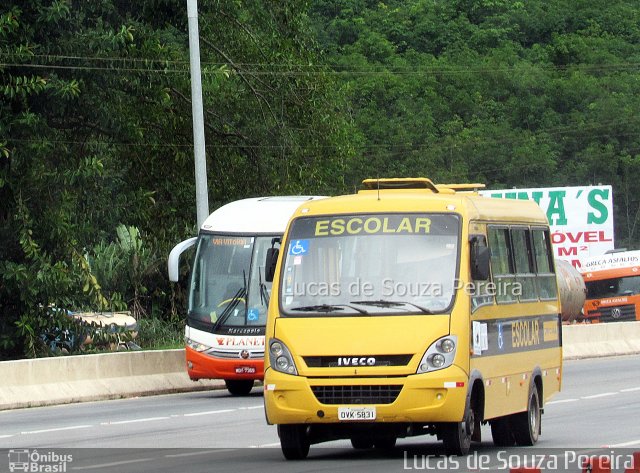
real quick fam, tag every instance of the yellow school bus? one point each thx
(411, 308)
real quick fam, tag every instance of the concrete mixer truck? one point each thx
(572, 289)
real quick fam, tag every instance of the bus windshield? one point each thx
(228, 289)
(625, 286)
(380, 264)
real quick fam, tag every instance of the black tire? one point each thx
(502, 433)
(294, 441)
(385, 443)
(361, 443)
(239, 387)
(457, 435)
(526, 425)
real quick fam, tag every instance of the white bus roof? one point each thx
(255, 215)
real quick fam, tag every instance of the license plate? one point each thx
(245, 369)
(356, 413)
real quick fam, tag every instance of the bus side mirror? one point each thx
(270, 264)
(480, 257)
(271, 260)
(173, 263)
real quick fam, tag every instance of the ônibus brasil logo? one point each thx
(32, 461)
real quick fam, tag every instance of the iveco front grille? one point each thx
(376, 394)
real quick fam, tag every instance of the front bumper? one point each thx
(203, 366)
(434, 397)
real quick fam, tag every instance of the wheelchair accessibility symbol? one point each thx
(299, 247)
(500, 337)
(253, 315)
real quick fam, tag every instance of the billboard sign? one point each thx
(581, 218)
(621, 260)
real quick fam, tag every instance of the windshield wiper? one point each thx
(328, 308)
(264, 293)
(233, 303)
(384, 303)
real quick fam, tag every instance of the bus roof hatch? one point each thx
(464, 187)
(400, 183)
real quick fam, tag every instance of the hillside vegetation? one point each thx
(96, 154)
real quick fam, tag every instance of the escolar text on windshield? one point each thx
(372, 225)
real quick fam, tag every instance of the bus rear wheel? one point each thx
(526, 425)
(294, 441)
(239, 387)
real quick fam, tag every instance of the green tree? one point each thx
(95, 135)
(536, 93)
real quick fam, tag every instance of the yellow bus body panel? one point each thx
(350, 337)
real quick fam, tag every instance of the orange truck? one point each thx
(613, 287)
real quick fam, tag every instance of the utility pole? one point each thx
(202, 195)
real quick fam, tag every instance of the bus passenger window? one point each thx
(524, 264)
(502, 269)
(546, 278)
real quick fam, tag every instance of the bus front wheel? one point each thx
(239, 387)
(457, 435)
(294, 441)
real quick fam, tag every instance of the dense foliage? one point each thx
(96, 167)
(526, 94)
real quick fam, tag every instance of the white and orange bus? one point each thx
(613, 287)
(228, 295)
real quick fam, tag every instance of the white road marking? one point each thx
(133, 421)
(108, 465)
(206, 413)
(594, 396)
(625, 444)
(561, 401)
(57, 429)
(268, 445)
(206, 452)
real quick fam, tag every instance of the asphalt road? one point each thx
(597, 412)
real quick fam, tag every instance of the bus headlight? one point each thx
(197, 346)
(280, 358)
(437, 360)
(447, 345)
(439, 355)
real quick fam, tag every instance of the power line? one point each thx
(445, 69)
(96, 68)
(309, 69)
(540, 134)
